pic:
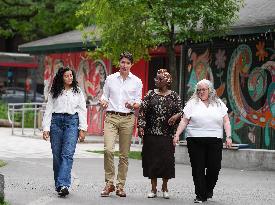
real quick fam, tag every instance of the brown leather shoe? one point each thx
(120, 192)
(107, 190)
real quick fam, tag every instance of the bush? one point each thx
(28, 116)
(2, 163)
(3, 110)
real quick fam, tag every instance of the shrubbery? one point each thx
(28, 116)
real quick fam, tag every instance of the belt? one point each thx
(64, 114)
(120, 113)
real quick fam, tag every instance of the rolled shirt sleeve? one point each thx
(106, 90)
(139, 93)
(82, 112)
(224, 109)
(47, 117)
(187, 110)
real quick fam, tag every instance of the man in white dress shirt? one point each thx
(121, 96)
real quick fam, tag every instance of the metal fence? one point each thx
(95, 118)
(22, 108)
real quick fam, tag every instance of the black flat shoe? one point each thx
(198, 200)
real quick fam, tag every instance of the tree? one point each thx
(138, 25)
(33, 19)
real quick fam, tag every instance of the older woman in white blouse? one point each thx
(204, 117)
(64, 121)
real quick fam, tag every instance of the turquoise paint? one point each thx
(267, 135)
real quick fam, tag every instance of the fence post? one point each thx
(12, 124)
(23, 118)
(34, 123)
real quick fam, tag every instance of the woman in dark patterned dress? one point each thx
(160, 112)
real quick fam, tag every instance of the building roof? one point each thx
(69, 41)
(257, 16)
(19, 60)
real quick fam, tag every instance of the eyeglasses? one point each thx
(202, 90)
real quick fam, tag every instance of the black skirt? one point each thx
(158, 160)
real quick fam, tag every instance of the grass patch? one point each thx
(132, 154)
(2, 163)
(2, 202)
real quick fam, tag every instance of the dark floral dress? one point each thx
(158, 159)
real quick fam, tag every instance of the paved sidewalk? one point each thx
(29, 146)
(29, 179)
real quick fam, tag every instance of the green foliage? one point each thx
(138, 25)
(141, 24)
(132, 154)
(2, 202)
(2, 163)
(34, 19)
(3, 110)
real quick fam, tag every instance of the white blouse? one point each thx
(67, 102)
(205, 121)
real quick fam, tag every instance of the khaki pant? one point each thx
(121, 127)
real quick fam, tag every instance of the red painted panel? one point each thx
(140, 69)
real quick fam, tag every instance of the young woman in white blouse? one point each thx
(205, 115)
(64, 121)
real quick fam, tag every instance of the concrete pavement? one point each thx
(29, 179)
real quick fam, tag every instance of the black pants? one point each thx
(205, 157)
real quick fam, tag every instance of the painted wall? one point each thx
(91, 76)
(243, 73)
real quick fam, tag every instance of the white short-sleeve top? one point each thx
(205, 121)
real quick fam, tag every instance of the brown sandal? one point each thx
(120, 192)
(107, 190)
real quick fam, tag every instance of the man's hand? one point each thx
(129, 105)
(46, 135)
(81, 135)
(103, 104)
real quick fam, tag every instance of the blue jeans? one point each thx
(63, 137)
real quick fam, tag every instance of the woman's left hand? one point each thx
(173, 119)
(81, 135)
(228, 142)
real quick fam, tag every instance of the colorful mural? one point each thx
(90, 74)
(199, 68)
(244, 78)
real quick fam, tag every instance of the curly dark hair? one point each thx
(58, 82)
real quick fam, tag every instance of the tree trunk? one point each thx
(172, 66)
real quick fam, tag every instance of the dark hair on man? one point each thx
(127, 55)
(58, 82)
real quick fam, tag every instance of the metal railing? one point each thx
(22, 108)
(38, 109)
